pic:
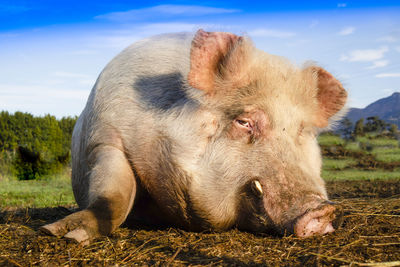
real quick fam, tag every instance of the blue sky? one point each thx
(52, 51)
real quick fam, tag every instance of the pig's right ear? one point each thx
(208, 52)
(331, 96)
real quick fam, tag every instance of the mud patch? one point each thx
(370, 234)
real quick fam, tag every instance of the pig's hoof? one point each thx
(78, 235)
(78, 227)
(53, 229)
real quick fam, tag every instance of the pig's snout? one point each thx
(319, 221)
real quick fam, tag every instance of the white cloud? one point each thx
(347, 31)
(388, 75)
(271, 33)
(78, 78)
(398, 49)
(344, 76)
(120, 39)
(44, 92)
(389, 91)
(387, 39)
(40, 100)
(300, 42)
(365, 55)
(114, 41)
(164, 11)
(342, 5)
(156, 28)
(87, 82)
(159, 28)
(379, 64)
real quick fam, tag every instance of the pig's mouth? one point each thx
(319, 221)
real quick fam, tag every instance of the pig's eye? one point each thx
(245, 124)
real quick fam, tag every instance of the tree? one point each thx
(346, 129)
(31, 147)
(374, 124)
(67, 126)
(359, 128)
(393, 130)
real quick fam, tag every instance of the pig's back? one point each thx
(146, 79)
(153, 58)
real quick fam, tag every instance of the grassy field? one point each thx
(365, 158)
(350, 175)
(49, 192)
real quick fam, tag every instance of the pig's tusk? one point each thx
(258, 186)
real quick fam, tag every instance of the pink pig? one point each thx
(202, 131)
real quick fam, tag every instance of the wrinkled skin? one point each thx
(202, 131)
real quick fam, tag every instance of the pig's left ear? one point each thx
(331, 96)
(209, 52)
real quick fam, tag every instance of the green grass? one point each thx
(36, 193)
(329, 140)
(360, 175)
(384, 149)
(395, 157)
(384, 142)
(353, 146)
(337, 164)
(379, 145)
(387, 154)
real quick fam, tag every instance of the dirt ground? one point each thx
(370, 234)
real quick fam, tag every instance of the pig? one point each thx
(203, 131)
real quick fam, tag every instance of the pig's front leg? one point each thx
(112, 189)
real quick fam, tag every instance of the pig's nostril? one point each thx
(316, 222)
(257, 188)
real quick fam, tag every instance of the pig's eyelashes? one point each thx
(244, 124)
(243, 128)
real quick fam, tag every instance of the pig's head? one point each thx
(263, 161)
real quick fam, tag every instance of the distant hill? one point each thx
(387, 109)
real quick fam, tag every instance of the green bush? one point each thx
(33, 147)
